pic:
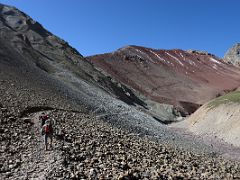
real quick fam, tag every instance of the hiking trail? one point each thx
(39, 162)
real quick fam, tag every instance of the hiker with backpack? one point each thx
(47, 132)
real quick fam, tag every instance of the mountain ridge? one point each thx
(194, 71)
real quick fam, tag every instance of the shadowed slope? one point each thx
(28, 51)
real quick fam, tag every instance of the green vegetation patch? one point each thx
(227, 98)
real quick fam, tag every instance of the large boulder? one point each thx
(232, 56)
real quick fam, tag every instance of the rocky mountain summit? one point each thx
(102, 130)
(232, 56)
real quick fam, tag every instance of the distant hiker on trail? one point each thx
(47, 132)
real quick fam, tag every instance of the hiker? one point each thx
(47, 132)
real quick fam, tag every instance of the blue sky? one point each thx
(100, 26)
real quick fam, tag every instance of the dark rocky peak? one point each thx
(27, 47)
(16, 20)
(232, 56)
(19, 28)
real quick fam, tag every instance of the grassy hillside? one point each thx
(230, 97)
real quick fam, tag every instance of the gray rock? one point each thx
(232, 56)
(11, 166)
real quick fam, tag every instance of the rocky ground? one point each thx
(91, 149)
(87, 148)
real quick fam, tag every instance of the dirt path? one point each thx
(40, 162)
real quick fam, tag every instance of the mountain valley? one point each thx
(135, 113)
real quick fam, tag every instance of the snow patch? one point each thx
(157, 56)
(215, 61)
(182, 55)
(215, 66)
(192, 62)
(175, 58)
(145, 54)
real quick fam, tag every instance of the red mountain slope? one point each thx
(185, 79)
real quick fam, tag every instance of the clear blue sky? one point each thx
(99, 26)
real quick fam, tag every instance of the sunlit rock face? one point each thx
(232, 56)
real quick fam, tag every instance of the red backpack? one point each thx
(47, 128)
